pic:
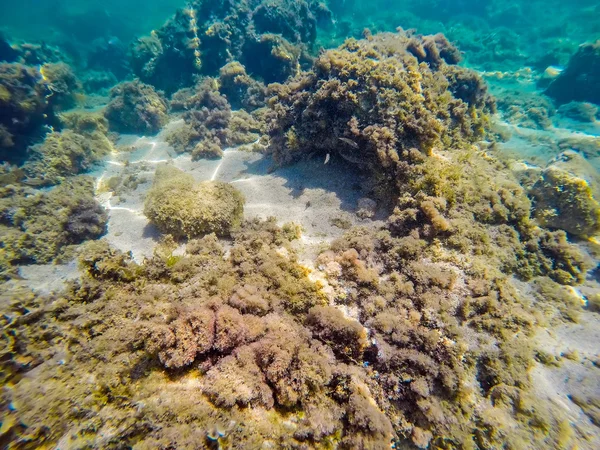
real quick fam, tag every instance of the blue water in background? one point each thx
(519, 47)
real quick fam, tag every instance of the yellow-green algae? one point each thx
(161, 355)
(414, 333)
(182, 207)
(83, 142)
(39, 227)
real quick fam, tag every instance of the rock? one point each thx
(182, 207)
(136, 107)
(526, 173)
(580, 81)
(579, 111)
(565, 196)
(366, 208)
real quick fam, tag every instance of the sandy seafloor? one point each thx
(315, 194)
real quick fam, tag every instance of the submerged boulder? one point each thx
(182, 207)
(565, 196)
(580, 81)
(136, 107)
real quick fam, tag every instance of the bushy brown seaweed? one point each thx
(245, 347)
(371, 102)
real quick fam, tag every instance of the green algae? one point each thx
(178, 205)
(40, 227)
(412, 333)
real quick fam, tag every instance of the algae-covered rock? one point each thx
(565, 197)
(371, 102)
(209, 124)
(267, 36)
(62, 84)
(241, 90)
(275, 59)
(24, 109)
(580, 81)
(180, 206)
(69, 152)
(136, 107)
(37, 227)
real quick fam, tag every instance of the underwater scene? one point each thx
(300, 224)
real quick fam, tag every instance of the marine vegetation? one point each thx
(269, 37)
(241, 90)
(376, 101)
(71, 151)
(209, 125)
(62, 84)
(393, 344)
(565, 198)
(182, 207)
(411, 332)
(24, 109)
(136, 107)
(39, 227)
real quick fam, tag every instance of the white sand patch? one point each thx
(579, 377)
(47, 278)
(309, 193)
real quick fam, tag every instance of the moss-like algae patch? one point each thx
(410, 334)
(179, 206)
(39, 227)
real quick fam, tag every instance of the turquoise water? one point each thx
(300, 224)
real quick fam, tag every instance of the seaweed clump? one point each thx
(209, 123)
(72, 151)
(179, 206)
(205, 36)
(29, 100)
(41, 227)
(243, 344)
(24, 110)
(136, 107)
(373, 101)
(62, 84)
(228, 318)
(241, 90)
(460, 224)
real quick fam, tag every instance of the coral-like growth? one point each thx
(254, 356)
(179, 206)
(136, 107)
